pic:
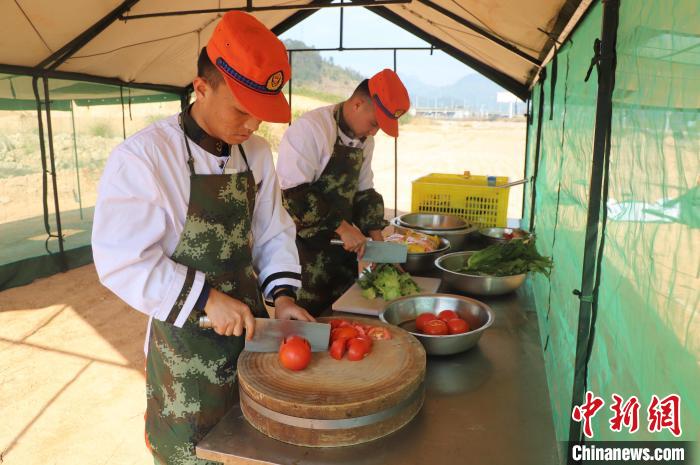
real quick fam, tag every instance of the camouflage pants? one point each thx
(327, 271)
(190, 377)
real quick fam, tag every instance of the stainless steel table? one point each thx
(489, 405)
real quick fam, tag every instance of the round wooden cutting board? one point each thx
(335, 402)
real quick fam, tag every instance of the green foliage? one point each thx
(507, 259)
(387, 282)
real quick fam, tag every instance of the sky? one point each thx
(362, 28)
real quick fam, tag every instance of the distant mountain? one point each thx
(320, 76)
(473, 92)
(312, 71)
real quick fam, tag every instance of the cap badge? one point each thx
(274, 82)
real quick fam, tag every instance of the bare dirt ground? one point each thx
(72, 387)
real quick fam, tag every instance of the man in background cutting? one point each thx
(189, 222)
(325, 173)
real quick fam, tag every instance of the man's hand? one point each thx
(352, 237)
(229, 316)
(287, 309)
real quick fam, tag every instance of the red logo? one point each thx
(587, 411)
(626, 415)
(665, 414)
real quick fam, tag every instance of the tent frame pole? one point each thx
(592, 255)
(75, 157)
(253, 9)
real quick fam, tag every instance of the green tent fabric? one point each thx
(647, 332)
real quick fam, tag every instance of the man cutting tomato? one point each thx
(189, 222)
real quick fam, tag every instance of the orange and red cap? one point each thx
(254, 64)
(390, 99)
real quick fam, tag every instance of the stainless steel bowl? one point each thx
(456, 237)
(418, 262)
(474, 284)
(432, 221)
(403, 311)
(496, 235)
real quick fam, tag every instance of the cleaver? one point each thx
(270, 333)
(381, 252)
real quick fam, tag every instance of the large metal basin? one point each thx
(474, 284)
(402, 312)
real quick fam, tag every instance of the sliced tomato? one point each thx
(379, 333)
(358, 349)
(447, 315)
(457, 326)
(339, 323)
(365, 337)
(436, 328)
(423, 318)
(337, 349)
(361, 329)
(347, 332)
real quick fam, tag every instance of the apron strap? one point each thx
(190, 160)
(245, 159)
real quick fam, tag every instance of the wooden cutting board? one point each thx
(335, 402)
(353, 302)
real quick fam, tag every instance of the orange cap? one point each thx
(390, 99)
(254, 64)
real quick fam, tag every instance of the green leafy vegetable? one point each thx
(507, 259)
(387, 282)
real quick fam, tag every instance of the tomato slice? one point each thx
(358, 349)
(347, 332)
(339, 323)
(436, 328)
(337, 349)
(379, 333)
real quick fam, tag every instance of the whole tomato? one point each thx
(457, 326)
(295, 353)
(436, 328)
(447, 315)
(423, 318)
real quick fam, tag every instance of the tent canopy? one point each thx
(501, 39)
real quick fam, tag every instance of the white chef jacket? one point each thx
(140, 213)
(307, 145)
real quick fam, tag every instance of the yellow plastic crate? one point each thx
(472, 197)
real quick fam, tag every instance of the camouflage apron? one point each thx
(190, 371)
(327, 271)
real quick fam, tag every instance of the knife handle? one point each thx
(205, 322)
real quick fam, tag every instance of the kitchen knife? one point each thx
(269, 334)
(381, 252)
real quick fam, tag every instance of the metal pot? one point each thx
(456, 237)
(403, 311)
(474, 284)
(432, 221)
(418, 262)
(496, 235)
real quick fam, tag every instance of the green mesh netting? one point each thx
(647, 338)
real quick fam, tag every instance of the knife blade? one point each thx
(381, 252)
(269, 334)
